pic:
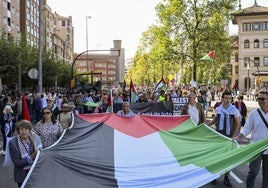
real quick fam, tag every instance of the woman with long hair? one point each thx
(48, 128)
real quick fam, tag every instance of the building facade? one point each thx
(58, 34)
(106, 66)
(63, 37)
(250, 62)
(10, 18)
(29, 21)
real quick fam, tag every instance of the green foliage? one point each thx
(13, 53)
(187, 30)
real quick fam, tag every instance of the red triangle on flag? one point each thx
(211, 54)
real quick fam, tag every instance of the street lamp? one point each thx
(73, 63)
(248, 60)
(87, 17)
(248, 80)
(40, 64)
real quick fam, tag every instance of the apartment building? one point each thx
(98, 67)
(10, 17)
(58, 34)
(250, 62)
(63, 37)
(102, 65)
(29, 21)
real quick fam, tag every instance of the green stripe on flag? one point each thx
(192, 144)
(203, 147)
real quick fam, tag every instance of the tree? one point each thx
(186, 31)
(197, 27)
(15, 54)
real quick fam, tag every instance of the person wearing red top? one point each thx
(241, 106)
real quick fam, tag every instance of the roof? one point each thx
(254, 10)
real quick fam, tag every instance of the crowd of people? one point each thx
(52, 112)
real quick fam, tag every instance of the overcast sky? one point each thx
(114, 20)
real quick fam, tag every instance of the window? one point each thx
(256, 43)
(256, 26)
(63, 23)
(264, 26)
(246, 44)
(236, 57)
(8, 6)
(230, 68)
(265, 61)
(264, 84)
(8, 21)
(246, 61)
(246, 26)
(236, 69)
(257, 61)
(265, 43)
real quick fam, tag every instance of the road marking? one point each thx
(236, 177)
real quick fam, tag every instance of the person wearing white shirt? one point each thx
(227, 121)
(194, 109)
(256, 126)
(126, 112)
(44, 100)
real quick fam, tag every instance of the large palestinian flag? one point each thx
(105, 150)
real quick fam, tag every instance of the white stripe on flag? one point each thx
(147, 162)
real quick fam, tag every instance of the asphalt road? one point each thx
(6, 174)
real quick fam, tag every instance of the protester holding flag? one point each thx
(48, 128)
(256, 125)
(194, 109)
(23, 149)
(133, 94)
(227, 121)
(65, 116)
(126, 112)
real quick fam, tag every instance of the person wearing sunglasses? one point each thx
(65, 117)
(48, 128)
(257, 125)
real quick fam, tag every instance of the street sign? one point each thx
(33, 73)
(224, 82)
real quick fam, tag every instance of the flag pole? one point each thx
(130, 88)
(162, 70)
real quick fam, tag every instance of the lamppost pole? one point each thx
(258, 69)
(248, 81)
(73, 63)
(40, 65)
(87, 17)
